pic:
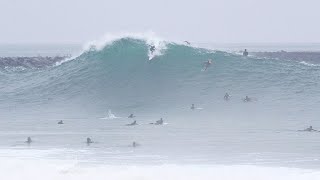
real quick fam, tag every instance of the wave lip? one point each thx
(149, 38)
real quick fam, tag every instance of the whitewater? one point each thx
(98, 87)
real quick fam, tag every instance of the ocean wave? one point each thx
(118, 72)
(118, 75)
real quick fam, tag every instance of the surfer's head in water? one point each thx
(29, 140)
(60, 122)
(226, 96)
(159, 122)
(89, 141)
(192, 107)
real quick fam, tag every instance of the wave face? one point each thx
(120, 77)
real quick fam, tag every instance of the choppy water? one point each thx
(210, 142)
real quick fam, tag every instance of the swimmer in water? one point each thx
(152, 49)
(309, 129)
(134, 144)
(207, 64)
(60, 122)
(89, 141)
(226, 97)
(29, 140)
(247, 99)
(158, 122)
(245, 52)
(132, 124)
(131, 116)
(193, 107)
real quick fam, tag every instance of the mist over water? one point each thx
(118, 78)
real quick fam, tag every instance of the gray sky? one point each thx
(220, 21)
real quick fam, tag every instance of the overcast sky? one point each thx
(220, 21)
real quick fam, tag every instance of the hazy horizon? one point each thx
(230, 21)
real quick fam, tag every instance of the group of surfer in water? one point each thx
(89, 140)
(158, 122)
(246, 99)
(226, 97)
(208, 63)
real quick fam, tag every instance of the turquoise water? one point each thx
(119, 79)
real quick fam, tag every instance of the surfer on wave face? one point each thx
(207, 64)
(152, 49)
